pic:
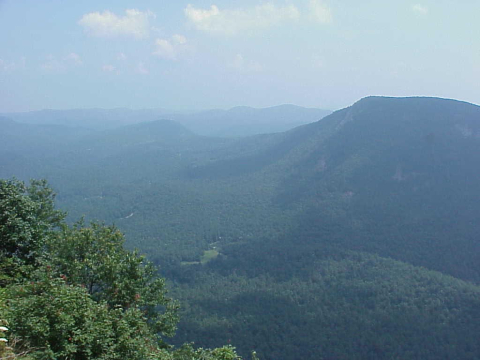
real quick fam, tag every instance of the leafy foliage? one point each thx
(94, 257)
(27, 219)
(62, 321)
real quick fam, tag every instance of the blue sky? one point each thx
(204, 54)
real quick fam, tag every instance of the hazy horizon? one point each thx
(173, 110)
(200, 110)
(199, 55)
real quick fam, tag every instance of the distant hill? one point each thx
(239, 121)
(151, 132)
(26, 137)
(26, 148)
(95, 119)
(244, 121)
(351, 237)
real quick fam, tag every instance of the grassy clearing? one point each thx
(208, 255)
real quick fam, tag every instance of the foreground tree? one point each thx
(27, 219)
(94, 258)
(75, 292)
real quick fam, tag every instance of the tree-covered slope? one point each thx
(398, 177)
(332, 305)
(352, 237)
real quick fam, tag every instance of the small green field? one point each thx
(208, 255)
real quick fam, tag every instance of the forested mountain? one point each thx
(353, 237)
(239, 121)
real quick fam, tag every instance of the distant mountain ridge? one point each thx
(239, 121)
(95, 119)
(245, 121)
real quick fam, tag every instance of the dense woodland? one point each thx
(353, 237)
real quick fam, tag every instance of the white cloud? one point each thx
(320, 12)
(238, 62)
(53, 64)
(242, 65)
(179, 39)
(108, 68)
(169, 49)
(164, 49)
(73, 58)
(141, 69)
(121, 57)
(420, 9)
(13, 65)
(318, 62)
(135, 23)
(232, 22)
(5, 66)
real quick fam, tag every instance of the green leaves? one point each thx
(27, 218)
(93, 257)
(62, 321)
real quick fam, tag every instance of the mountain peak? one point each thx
(408, 100)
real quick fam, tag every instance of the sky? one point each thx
(196, 54)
